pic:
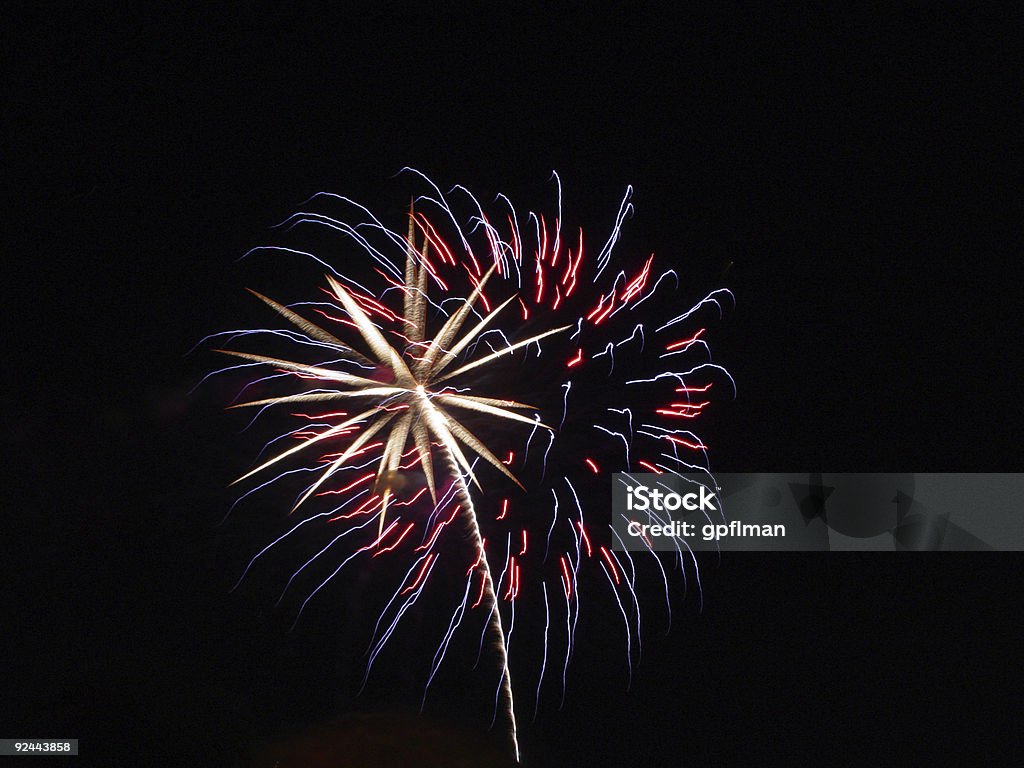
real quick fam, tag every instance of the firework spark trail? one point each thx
(494, 619)
(412, 379)
(442, 649)
(544, 645)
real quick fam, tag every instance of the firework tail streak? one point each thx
(414, 389)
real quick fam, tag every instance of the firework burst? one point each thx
(411, 397)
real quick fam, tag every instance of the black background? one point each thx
(853, 180)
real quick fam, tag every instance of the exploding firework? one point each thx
(489, 386)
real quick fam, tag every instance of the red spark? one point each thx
(423, 570)
(397, 541)
(586, 539)
(680, 441)
(608, 559)
(684, 342)
(567, 583)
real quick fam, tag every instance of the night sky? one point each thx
(855, 183)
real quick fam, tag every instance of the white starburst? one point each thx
(414, 404)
